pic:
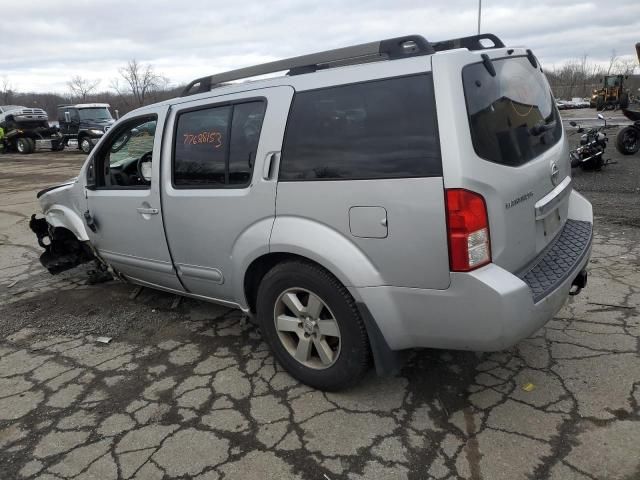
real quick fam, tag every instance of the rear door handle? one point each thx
(270, 164)
(147, 211)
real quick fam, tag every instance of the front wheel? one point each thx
(25, 145)
(628, 140)
(313, 326)
(85, 145)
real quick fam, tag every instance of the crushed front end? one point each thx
(62, 250)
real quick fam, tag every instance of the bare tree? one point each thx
(576, 78)
(81, 87)
(612, 61)
(625, 66)
(140, 81)
(6, 91)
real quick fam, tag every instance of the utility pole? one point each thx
(479, 14)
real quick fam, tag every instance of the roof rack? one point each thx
(390, 49)
(474, 42)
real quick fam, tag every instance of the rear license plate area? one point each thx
(551, 223)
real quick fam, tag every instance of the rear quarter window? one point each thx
(378, 129)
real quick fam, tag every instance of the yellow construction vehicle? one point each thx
(611, 95)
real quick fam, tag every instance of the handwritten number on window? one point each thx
(213, 138)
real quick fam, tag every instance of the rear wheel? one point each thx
(313, 326)
(628, 140)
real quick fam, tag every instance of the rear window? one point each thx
(512, 116)
(379, 129)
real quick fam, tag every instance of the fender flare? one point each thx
(327, 247)
(60, 216)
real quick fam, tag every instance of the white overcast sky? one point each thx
(44, 42)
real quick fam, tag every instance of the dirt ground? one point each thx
(193, 392)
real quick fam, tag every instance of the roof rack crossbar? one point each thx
(400, 47)
(474, 42)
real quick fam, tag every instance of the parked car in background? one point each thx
(83, 124)
(578, 102)
(399, 221)
(28, 128)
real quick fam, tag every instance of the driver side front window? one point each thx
(126, 158)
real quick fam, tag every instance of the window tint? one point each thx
(216, 147)
(380, 129)
(512, 116)
(245, 133)
(201, 147)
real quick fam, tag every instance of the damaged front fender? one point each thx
(62, 250)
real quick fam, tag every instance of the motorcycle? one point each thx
(589, 154)
(628, 139)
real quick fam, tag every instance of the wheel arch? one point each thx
(59, 216)
(386, 361)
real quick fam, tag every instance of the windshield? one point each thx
(512, 116)
(612, 81)
(98, 113)
(6, 108)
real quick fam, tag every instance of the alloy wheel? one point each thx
(307, 328)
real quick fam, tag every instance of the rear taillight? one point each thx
(467, 230)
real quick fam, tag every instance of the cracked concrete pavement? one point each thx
(193, 392)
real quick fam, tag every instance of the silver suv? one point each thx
(377, 198)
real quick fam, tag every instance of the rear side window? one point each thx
(379, 129)
(512, 116)
(216, 147)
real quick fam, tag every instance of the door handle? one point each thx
(269, 165)
(147, 211)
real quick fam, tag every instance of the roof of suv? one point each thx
(371, 57)
(389, 49)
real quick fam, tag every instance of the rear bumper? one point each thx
(488, 309)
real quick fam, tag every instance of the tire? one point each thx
(623, 101)
(25, 145)
(85, 145)
(600, 103)
(628, 140)
(346, 356)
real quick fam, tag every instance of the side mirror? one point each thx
(573, 124)
(600, 116)
(67, 117)
(91, 175)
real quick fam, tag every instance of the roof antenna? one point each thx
(479, 14)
